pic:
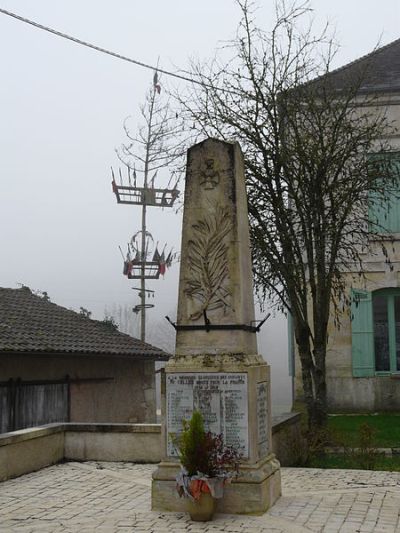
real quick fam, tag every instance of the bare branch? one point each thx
(305, 146)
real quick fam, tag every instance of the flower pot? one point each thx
(202, 510)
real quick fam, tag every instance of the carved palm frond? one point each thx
(208, 261)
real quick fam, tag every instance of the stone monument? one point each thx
(216, 368)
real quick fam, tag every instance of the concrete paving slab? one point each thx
(115, 497)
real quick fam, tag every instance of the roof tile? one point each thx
(378, 70)
(29, 323)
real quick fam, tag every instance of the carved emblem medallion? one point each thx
(209, 174)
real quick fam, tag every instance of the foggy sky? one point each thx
(62, 108)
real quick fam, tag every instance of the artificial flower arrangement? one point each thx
(207, 465)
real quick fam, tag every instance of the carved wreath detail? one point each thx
(208, 262)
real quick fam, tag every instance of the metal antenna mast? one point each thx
(137, 266)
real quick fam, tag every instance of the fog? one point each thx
(62, 108)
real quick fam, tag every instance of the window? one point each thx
(386, 316)
(375, 332)
(384, 213)
(362, 336)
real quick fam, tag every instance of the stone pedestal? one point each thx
(259, 484)
(216, 369)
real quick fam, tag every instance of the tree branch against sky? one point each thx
(157, 143)
(308, 176)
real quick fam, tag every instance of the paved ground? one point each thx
(100, 497)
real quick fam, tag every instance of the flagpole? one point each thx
(148, 195)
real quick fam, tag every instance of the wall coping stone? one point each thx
(41, 431)
(48, 429)
(30, 433)
(285, 419)
(112, 428)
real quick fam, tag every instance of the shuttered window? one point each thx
(384, 213)
(362, 347)
(386, 316)
(375, 332)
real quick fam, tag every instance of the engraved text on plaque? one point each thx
(220, 397)
(262, 418)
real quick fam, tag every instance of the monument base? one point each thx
(247, 416)
(254, 492)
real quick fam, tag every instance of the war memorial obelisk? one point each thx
(216, 368)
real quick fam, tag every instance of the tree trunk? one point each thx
(314, 379)
(317, 416)
(320, 414)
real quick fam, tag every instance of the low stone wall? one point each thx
(31, 449)
(287, 441)
(138, 443)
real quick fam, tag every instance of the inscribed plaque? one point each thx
(220, 397)
(262, 418)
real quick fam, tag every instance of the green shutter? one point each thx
(378, 209)
(385, 212)
(362, 334)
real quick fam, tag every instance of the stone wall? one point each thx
(345, 392)
(358, 394)
(138, 443)
(31, 449)
(287, 440)
(128, 397)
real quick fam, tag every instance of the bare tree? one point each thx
(123, 316)
(157, 143)
(308, 176)
(154, 151)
